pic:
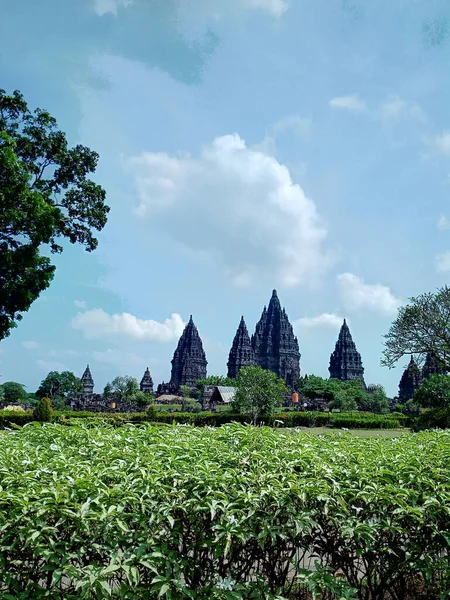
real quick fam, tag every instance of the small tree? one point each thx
(434, 392)
(258, 392)
(191, 405)
(185, 391)
(143, 399)
(124, 388)
(14, 392)
(376, 400)
(62, 386)
(43, 411)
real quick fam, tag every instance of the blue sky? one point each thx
(244, 145)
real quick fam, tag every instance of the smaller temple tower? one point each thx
(146, 384)
(432, 366)
(409, 382)
(189, 359)
(345, 361)
(88, 382)
(241, 353)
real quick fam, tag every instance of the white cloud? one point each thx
(57, 353)
(357, 295)
(116, 357)
(443, 262)
(324, 320)
(441, 142)
(239, 206)
(443, 223)
(353, 103)
(49, 365)
(295, 125)
(397, 108)
(30, 345)
(80, 303)
(216, 9)
(103, 7)
(97, 324)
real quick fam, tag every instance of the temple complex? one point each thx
(88, 382)
(189, 360)
(146, 384)
(275, 345)
(241, 353)
(410, 381)
(345, 361)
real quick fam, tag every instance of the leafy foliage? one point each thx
(43, 410)
(258, 392)
(231, 513)
(191, 405)
(125, 388)
(421, 327)
(45, 196)
(375, 400)
(14, 392)
(60, 386)
(216, 380)
(434, 392)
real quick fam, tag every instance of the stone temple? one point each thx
(88, 382)
(345, 361)
(275, 345)
(432, 366)
(410, 381)
(146, 384)
(189, 360)
(241, 353)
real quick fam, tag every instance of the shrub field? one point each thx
(173, 511)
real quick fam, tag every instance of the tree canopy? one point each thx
(64, 385)
(127, 389)
(13, 392)
(421, 327)
(433, 392)
(45, 197)
(258, 392)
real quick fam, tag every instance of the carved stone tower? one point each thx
(345, 361)
(241, 353)
(189, 360)
(410, 381)
(432, 366)
(146, 384)
(275, 345)
(88, 382)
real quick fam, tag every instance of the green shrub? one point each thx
(230, 513)
(43, 410)
(434, 418)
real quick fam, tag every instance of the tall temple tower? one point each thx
(88, 382)
(275, 345)
(146, 384)
(410, 381)
(241, 353)
(432, 366)
(189, 360)
(345, 361)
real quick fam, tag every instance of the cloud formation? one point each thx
(103, 7)
(398, 108)
(329, 320)
(443, 262)
(441, 142)
(352, 103)
(236, 205)
(49, 365)
(79, 303)
(30, 345)
(357, 295)
(98, 324)
(443, 223)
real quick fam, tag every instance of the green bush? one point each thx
(231, 513)
(434, 418)
(43, 410)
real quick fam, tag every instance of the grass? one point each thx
(362, 433)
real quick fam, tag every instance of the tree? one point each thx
(258, 392)
(64, 385)
(43, 410)
(45, 196)
(215, 380)
(191, 405)
(376, 400)
(124, 388)
(316, 387)
(14, 392)
(349, 395)
(144, 399)
(421, 327)
(434, 392)
(185, 391)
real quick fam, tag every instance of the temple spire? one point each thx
(432, 366)
(88, 382)
(146, 384)
(345, 361)
(189, 360)
(274, 343)
(241, 353)
(409, 382)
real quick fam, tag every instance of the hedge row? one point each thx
(290, 419)
(232, 513)
(437, 418)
